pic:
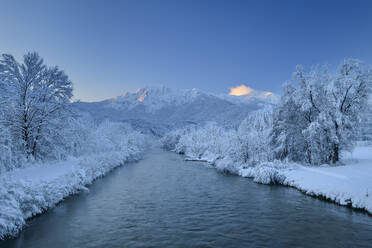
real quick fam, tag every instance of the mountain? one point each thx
(153, 98)
(157, 110)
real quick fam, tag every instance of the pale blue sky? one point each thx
(108, 47)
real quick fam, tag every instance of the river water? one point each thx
(163, 201)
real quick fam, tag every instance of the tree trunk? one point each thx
(34, 147)
(335, 146)
(335, 153)
(26, 140)
(35, 142)
(308, 156)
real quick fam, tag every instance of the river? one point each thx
(164, 201)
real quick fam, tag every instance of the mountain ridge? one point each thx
(160, 109)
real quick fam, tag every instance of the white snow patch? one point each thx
(349, 184)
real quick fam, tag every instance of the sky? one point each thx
(108, 47)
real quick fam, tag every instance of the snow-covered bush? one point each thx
(226, 148)
(269, 173)
(251, 142)
(87, 137)
(171, 139)
(200, 141)
(8, 157)
(273, 172)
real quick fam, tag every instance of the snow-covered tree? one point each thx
(287, 139)
(366, 125)
(35, 100)
(253, 137)
(319, 117)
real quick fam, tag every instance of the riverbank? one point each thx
(31, 190)
(347, 184)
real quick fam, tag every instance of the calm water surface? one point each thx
(163, 201)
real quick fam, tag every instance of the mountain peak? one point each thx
(154, 97)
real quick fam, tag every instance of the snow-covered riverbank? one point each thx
(349, 184)
(29, 191)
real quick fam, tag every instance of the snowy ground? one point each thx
(30, 191)
(350, 184)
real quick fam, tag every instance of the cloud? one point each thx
(268, 94)
(240, 90)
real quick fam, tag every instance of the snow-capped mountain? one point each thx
(158, 109)
(153, 98)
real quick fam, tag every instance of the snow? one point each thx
(349, 184)
(29, 191)
(153, 98)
